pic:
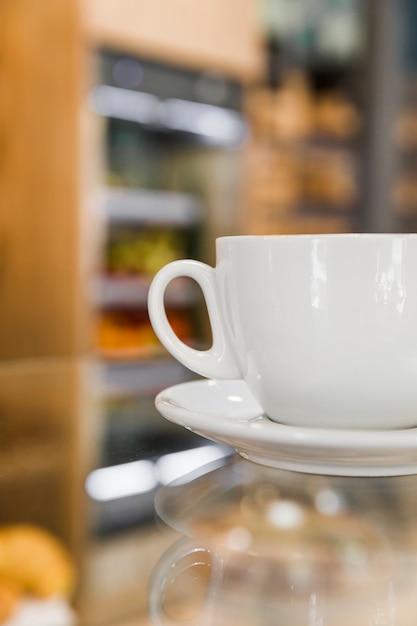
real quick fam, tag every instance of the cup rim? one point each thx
(360, 236)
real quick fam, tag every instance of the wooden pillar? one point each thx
(44, 309)
(41, 310)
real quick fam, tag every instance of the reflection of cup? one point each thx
(269, 547)
(239, 588)
(322, 328)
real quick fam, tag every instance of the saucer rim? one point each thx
(261, 424)
(336, 452)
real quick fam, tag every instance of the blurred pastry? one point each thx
(9, 597)
(405, 130)
(336, 116)
(35, 562)
(404, 195)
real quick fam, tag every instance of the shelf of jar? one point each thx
(143, 206)
(132, 376)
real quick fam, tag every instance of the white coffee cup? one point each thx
(323, 328)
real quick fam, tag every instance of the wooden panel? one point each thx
(47, 445)
(210, 34)
(41, 304)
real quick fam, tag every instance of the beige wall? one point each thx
(213, 34)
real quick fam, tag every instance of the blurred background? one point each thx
(134, 133)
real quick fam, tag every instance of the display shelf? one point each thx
(145, 352)
(140, 377)
(305, 157)
(146, 206)
(130, 355)
(208, 123)
(325, 141)
(132, 291)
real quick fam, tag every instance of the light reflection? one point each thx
(392, 281)
(356, 554)
(318, 289)
(118, 481)
(239, 539)
(329, 502)
(235, 398)
(213, 123)
(286, 514)
(173, 466)
(124, 104)
(139, 477)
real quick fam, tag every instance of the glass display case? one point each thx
(157, 121)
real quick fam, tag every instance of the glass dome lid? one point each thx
(304, 547)
(244, 507)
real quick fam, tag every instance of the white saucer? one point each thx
(225, 411)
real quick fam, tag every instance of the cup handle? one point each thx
(217, 361)
(166, 570)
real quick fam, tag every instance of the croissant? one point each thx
(35, 562)
(9, 597)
